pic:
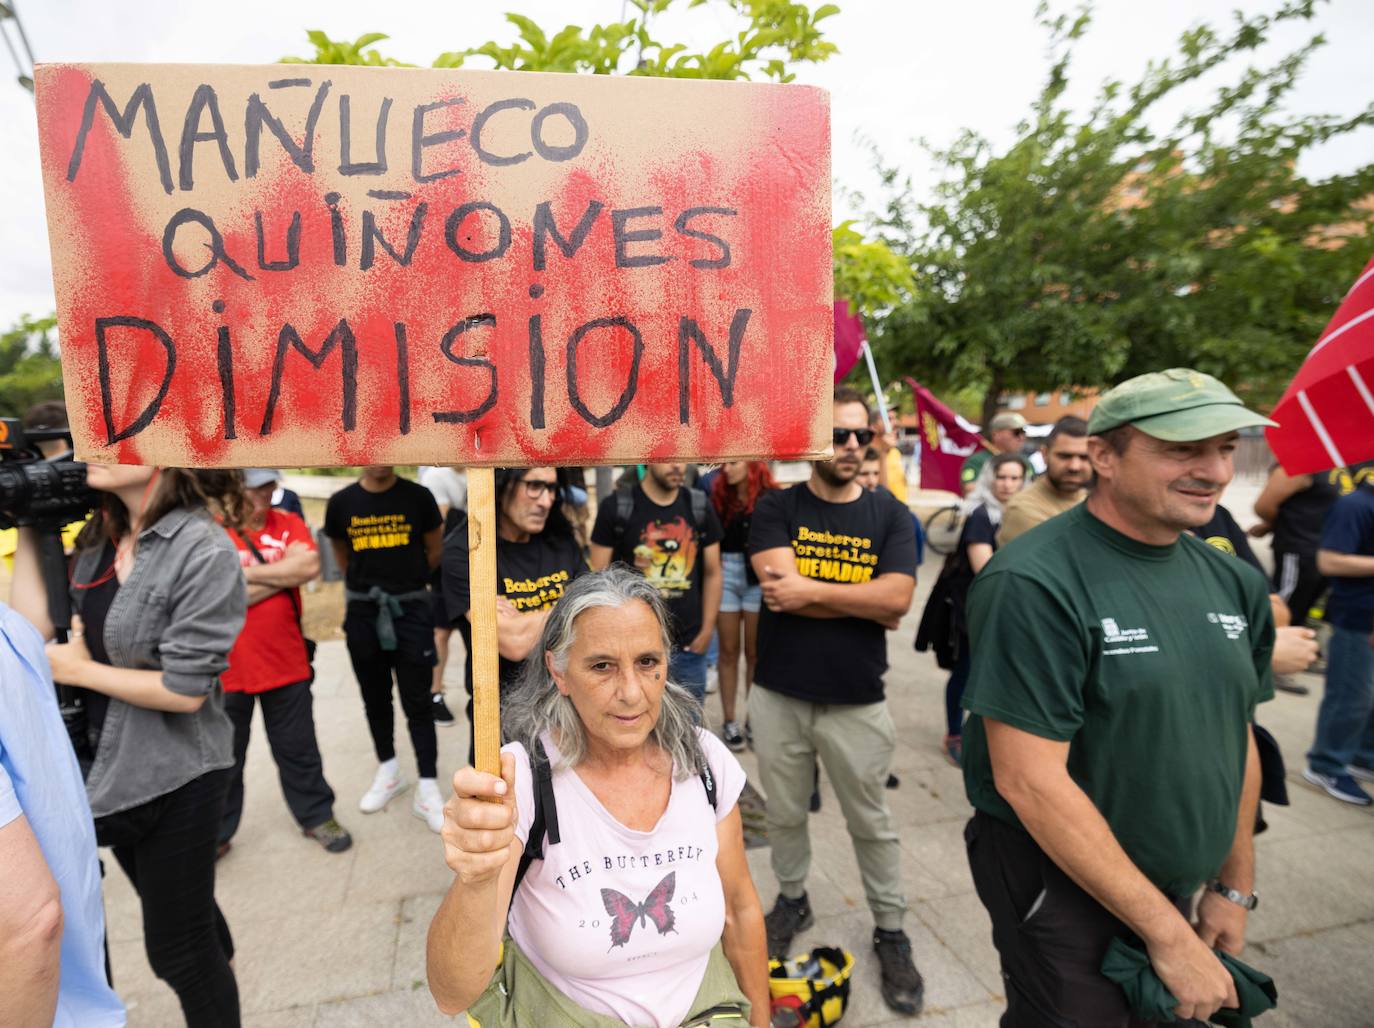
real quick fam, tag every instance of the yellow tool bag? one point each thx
(813, 986)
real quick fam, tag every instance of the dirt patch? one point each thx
(322, 611)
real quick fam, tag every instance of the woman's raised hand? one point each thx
(479, 823)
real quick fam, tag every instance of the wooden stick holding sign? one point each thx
(355, 266)
(486, 690)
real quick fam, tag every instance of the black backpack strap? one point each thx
(624, 508)
(698, 499)
(544, 823)
(257, 555)
(708, 782)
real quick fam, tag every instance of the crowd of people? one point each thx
(1107, 633)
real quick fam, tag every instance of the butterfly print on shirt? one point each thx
(625, 912)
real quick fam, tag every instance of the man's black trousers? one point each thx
(1050, 934)
(288, 717)
(410, 666)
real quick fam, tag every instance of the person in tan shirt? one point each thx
(1063, 485)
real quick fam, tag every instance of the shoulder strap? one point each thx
(708, 782)
(698, 499)
(624, 508)
(257, 555)
(544, 823)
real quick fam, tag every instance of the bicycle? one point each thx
(943, 527)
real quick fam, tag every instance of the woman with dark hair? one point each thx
(537, 555)
(161, 598)
(601, 880)
(734, 492)
(943, 624)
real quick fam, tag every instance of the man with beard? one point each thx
(669, 532)
(537, 556)
(1109, 755)
(837, 566)
(1063, 485)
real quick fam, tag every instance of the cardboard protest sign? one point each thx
(301, 265)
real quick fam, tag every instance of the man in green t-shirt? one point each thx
(1117, 663)
(1007, 431)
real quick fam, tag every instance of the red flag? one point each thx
(946, 440)
(1326, 416)
(849, 338)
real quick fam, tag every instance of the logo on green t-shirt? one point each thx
(1234, 625)
(1126, 639)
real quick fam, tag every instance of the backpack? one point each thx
(544, 823)
(625, 507)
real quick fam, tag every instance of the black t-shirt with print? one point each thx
(830, 660)
(385, 532)
(532, 575)
(1227, 536)
(665, 544)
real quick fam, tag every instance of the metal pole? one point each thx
(877, 386)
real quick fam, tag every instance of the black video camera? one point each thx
(46, 492)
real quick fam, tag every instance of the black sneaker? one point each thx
(904, 990)
(815, 805)
(784, 921)
(732, 736)
(442, 715)
(331, 835)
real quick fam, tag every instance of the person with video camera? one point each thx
(161, 599)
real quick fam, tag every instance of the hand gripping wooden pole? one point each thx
(486, 689)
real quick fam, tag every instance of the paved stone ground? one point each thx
(339, 940)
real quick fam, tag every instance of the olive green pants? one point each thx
(855, 743)
(520, 997)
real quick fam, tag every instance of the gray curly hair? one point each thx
(536, 706)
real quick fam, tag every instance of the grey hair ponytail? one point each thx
(536, 706)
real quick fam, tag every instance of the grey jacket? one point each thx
(178, 612)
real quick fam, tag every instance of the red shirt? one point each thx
(270, 651)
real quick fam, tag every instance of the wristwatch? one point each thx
(1249, 902)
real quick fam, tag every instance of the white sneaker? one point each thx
(384, 787)
(429, 808)
(712, 680)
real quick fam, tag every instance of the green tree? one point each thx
(30, 370)
(775, 36)
(1093, 247)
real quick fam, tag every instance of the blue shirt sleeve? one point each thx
(1348, 526)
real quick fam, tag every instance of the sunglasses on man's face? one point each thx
(534, 488)
(840, 436)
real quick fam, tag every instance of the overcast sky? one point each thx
(905, 70)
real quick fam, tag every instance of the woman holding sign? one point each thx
(601, 880)
(161, 599)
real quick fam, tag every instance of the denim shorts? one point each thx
(738, 594)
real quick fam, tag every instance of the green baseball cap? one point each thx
(1178, 405)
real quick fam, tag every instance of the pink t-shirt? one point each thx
(620, 921)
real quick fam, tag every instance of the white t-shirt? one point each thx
(449, 486)
(620, 921)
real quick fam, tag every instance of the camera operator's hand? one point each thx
(70, 660)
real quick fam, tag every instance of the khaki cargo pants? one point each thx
(855, 743)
